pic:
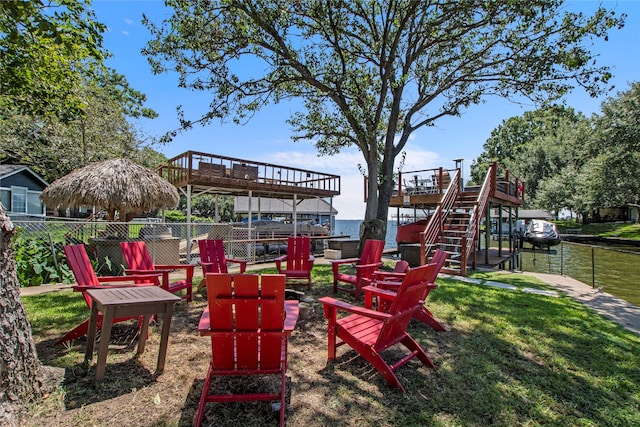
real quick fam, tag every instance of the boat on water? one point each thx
(270, 228)
(541, 234)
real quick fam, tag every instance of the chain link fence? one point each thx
(167, 242)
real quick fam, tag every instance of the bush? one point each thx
(39, 262)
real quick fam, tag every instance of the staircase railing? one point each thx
(435, 225)
(470, 237)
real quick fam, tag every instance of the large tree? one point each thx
(372, 72)
(612, 175)
(42, 46)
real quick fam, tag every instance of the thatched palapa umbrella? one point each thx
(114, 185)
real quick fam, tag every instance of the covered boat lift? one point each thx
(195, 173)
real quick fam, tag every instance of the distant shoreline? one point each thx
(587, 238)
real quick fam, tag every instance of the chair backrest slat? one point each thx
(212, 252)
(80, 265)
(298, 253)
(248, 316)
(137, 255)
(372, 251)
(405, 304)
(81, 268)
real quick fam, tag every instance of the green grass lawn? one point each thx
(508, 358)
(604, 229)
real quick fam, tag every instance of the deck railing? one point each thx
(472, 234)
(435, 225)
(192, 166)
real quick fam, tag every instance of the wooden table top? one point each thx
(131, 295)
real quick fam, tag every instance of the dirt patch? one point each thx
(133, 395)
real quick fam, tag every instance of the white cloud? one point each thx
(129, 21)
(350, 203)
(124, 33)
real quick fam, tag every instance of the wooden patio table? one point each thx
(128, 301)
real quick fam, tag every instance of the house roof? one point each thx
(8, 170)
(282, 206)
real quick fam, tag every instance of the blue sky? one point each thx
(267, 137)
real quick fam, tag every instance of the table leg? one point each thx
(144, 333)
(164, 340)
(91, 334)
(105, 337)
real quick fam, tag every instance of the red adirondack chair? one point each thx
(371, 332)
(369, 261)
(299, 261)
(249, 324)
(424, 314)
(139, 261)
(214, 260)
(86, 279)
(397, 275)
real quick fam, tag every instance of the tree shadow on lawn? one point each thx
(490, 369)
(564, 358)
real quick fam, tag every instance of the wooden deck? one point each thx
(213, 174)
(424, 189)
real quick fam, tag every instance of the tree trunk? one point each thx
(20, 374)
(376, 227)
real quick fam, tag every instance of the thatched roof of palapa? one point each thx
(117, 184)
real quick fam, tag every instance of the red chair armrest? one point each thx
(152, 277)
(292, 309)
(204, 325)
(278, 261)
(345, 261)
(341, 305)
(363, 266)
(175, 267)
(379, 292)
(243, 263)
(165, 275)
(388, 275)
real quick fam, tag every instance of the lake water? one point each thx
(351, 227)
(614, 268)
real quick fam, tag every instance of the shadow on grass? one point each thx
(507, 358)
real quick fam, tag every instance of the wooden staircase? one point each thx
(455, 225)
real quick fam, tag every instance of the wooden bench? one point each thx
(211, 170)
(242, 171)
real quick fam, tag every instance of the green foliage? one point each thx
(205, 206)
(174, 216)
(43, 45)
(179, 216)
(523, 143)
(612, 172)
(571, 162)
(38, 263)
(372, 73)
(60, 107)
(603, 229)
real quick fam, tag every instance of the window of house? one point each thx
(34, 205)
(18, 199)
(5, 198)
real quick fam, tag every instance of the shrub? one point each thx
(39, 261)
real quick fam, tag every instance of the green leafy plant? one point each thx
(39, 262)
